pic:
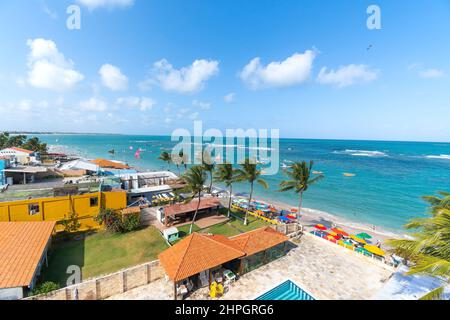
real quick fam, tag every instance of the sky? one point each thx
(311, 68)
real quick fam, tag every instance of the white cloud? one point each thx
(187, 79)
(431, 73)
(347, 75)
(201, 105)
(143, 103)
(48, 68)
(168, 120)
(194, 116)
(113, 78)
(294, 70)
(229, 98)
(110, 4)
(93, 104)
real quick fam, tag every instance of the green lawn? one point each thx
(103, 253)
(231, 228)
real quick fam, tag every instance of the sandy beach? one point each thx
(311, 217)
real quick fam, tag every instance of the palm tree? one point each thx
(166, 157)
(179, 161)
(300, 180)
(209, 167)
(250, 173)
(195, 179)
(227, 174)
(429, 250)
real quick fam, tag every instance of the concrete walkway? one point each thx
(324, 270)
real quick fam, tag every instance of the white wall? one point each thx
(11, 293)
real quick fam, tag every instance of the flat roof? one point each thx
(26, 170)
(180, 208)
(22, 245)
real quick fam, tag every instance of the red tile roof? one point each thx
(258, 240)
(194, 254)
(180, 208)
(22, 245)
(21, 150)
(110, 164)
(199, 252)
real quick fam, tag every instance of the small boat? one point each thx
(346, 174)
(112, 151)
(317, 172)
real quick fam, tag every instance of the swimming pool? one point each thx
(286, 291)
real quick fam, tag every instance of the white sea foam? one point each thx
(442, 156)
(362, 153)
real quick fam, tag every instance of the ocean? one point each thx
(390, 177)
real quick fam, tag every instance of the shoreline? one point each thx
(310, 217)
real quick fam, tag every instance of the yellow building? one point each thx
(86, 206)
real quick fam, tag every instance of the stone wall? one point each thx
(109, 285)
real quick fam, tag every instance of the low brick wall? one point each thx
(109, 285)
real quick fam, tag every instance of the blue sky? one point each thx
(149, 67)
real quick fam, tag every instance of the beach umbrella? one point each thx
(357, 239)
(294, 210)
(364, 235)
(334, 235)
(340, 231)
(320, 227)
(374, 250)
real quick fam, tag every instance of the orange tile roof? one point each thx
(21, 150)
(199, 252)
(194, 254)
(258, 240)
(180, 208)
(109, 164)
(21, 247)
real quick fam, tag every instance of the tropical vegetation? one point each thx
(166, 157)
(250, 173)
(428, 251)
(195, 179)
(225, 173)
(115, 223)
(300, 178)
(21, 141)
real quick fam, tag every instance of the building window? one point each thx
(94, 201)
(33, 209)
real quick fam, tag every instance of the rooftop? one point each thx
(195, 254)
(19, 150)
(110, 164)
(181, 208)
(199, 252)
(22, 246)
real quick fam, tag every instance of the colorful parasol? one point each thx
(320, 227)
(364, 235)
(374, 250)
(340, 231)
(357, 239)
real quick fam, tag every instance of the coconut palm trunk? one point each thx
(300, 203)
(196, 211)
(230, 190)
(248, 208)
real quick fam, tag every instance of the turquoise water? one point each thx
(390, 177)
(286, 291)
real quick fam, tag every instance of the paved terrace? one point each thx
(323, 269)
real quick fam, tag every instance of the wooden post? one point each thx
(175, 290)
(148, 273)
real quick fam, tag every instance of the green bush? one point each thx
(114, 223)
(44, 288)
(131, 222)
